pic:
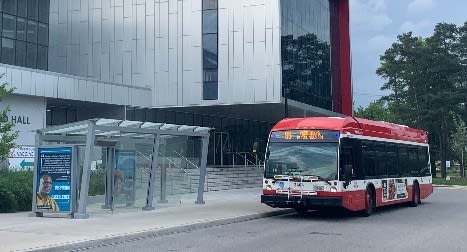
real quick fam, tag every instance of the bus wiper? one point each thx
(316, 177)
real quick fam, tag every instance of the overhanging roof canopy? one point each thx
(113, 127)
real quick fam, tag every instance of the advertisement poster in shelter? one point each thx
(125, 167)
(54, 179)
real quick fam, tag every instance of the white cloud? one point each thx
(420, 28)
(369, 15)
(420, 6)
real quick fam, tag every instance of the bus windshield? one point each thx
(302, 159)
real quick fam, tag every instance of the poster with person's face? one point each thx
(125, 164)
(54, 179)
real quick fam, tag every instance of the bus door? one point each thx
(347, 164)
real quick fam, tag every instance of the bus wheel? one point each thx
(415, 195)
(370, 204)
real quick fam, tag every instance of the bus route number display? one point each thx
(306, 134)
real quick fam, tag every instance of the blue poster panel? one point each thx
(54, 187)
(125, 171)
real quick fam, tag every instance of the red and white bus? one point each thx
(345, 162)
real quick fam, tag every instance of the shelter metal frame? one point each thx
(101, 129)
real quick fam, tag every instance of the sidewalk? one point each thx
(18, 232)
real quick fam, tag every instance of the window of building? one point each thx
(22, 8)
(210, 49)
(44, 12)
(42, 57)
(210, 76)
(8, 51)
(32, 31)
(59, 115)
(21, 29)
(24, 21)
(20, 53)
(210, 90)
(43, 34)
(31, 55)
(32, 9)
(209, 4)
(9, 6)
(9, 26)
(210, 21)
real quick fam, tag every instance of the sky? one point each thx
(374, 26)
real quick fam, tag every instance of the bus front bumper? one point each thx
(308, 201)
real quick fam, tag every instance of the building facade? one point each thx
(236, 66)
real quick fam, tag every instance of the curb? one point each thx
(123, 238)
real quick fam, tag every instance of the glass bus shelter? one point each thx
(128, 156)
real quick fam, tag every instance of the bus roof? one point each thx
(355, 126)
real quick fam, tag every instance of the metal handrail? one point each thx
(186, 159)
(246, 156)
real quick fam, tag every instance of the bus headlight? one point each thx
(333, 189)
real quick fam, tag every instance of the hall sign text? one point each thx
(20, 119)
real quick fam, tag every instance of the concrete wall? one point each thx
(28, 114)
(32, 82)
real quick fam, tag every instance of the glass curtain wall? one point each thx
(305, 51)
(231, 141)
(24, 33)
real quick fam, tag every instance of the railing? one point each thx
(246, 159)
(186, 160)
(190, 169)
(171, 161)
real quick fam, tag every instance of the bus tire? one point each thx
(370, 203)
(415, 195)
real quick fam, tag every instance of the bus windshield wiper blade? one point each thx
(317, 178)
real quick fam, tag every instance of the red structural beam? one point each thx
(340, 57)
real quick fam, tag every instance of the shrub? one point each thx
(15, 191)
(97, 183)
(7, 201)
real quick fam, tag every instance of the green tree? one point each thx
(459, 141)
(7, 134)
(425, 77)
(461, 49)
(377, 110)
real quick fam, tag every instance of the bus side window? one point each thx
(423, 162)
(369, 158)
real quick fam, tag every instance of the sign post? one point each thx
(21, 158)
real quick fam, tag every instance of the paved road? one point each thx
(438, 224)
